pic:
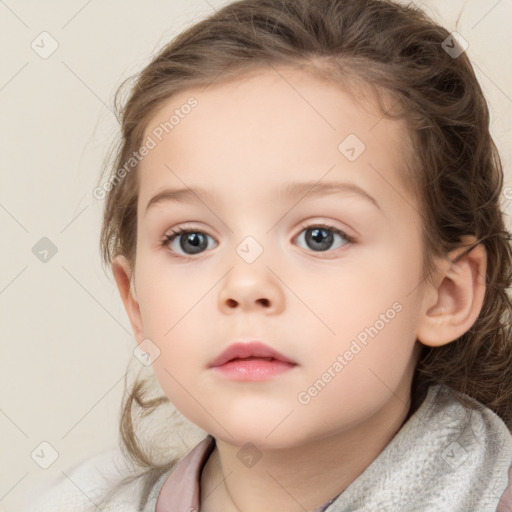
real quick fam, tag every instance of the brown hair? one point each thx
(455, 169)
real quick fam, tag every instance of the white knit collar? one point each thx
(444, 458)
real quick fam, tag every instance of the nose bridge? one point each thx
(251, 249)
(252, 282)
(255, 240)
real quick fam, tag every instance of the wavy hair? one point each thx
(455, 169)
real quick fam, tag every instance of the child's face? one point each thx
(346, 313)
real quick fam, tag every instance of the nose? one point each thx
(251, 288)
(232, 303)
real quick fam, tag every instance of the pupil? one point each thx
(320, 236)
(196, 241)
(193, 236)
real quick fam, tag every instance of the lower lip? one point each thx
(253, 369)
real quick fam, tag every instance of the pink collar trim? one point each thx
(181, 489)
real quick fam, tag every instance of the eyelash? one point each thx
(181, 231)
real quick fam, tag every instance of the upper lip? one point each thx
(254, 348)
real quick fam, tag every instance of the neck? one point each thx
(301, 478)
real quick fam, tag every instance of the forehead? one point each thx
(267, 127)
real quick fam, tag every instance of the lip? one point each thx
(254, 349)
(247, 370)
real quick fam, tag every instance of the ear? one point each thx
(123, 275)
(452, 304)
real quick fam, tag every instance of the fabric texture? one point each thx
(445, 458)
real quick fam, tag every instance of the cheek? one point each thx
(363, 372)
(167, 299)
(374, 316)
(382, 335)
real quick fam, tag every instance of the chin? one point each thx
(257, 436)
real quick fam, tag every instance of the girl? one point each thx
(303, 221)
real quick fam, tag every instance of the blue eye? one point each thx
(196, 241)
(318, 237)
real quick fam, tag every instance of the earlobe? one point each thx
(457, 298)
(123, 275)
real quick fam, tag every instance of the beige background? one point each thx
(66, 339)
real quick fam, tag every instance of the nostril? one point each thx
(232, 303)
(265, 302)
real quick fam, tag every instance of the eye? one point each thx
(318, 237)
(189, 241)
(321, 237)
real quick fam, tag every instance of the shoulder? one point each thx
(82, 487)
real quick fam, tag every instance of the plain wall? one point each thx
(66, 339)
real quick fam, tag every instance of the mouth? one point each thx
(253, 357)
(249, 351)
(251, 362)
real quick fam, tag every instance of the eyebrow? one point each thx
(288, 191)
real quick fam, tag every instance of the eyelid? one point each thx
(177, 231)
(181, 229)
(303, 225)
(185, 226)
(327, 225)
